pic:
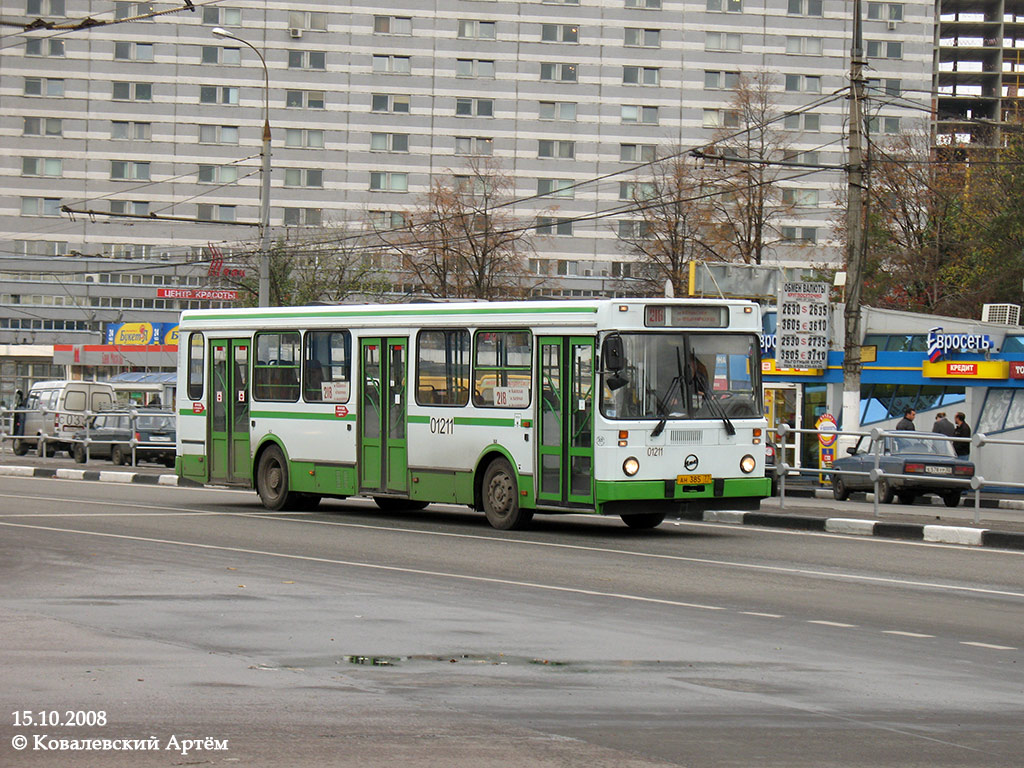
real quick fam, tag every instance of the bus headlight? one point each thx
(747, 464)
(631, 466)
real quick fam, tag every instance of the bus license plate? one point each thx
(693, 479)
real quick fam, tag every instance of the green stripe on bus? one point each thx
(406, 312)
(299, 415)
(469, 421)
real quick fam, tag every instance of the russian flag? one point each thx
(934, 346)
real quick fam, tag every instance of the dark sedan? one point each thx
(110, 436)
(932, 465)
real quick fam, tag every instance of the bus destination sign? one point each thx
(803, 326)
(683, 316)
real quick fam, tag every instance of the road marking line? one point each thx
(904, 634)
(374, 566)
(990, 646)
(762, 615)
(831, 624)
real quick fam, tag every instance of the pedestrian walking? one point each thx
(907, 422)
(962, 429)
(943, 425)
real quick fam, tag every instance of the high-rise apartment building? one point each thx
(158, 122)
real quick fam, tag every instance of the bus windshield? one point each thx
(684, 376)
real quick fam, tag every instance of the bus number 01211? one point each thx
(442, 426)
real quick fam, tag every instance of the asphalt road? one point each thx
(351, 637)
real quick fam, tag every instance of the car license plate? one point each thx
(159, 439)
(938, 470)
(693, 479)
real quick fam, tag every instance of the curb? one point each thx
(944, 534)
(108, 476)
(825, 493)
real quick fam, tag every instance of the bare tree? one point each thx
(741, 169)
(669, 226)
(462, 241)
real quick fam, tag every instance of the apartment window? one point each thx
(804, 7)
(725, 6)
(218, 174)
(638, 153)
(40, 206)
(130, 10)
(222, 17)
(42, 166)
(389, 142)
(649, 4)
(803, 46)
(634, 113)
(304, 177)
(392, 25)
(723, 41)
(560, 33)
(885, 11)
(307, 60)
(563, 73)
(560, 148)
(474, 68)
(44, 47)
(129, 170)
(721, 118)
(558, 110)
(44, 7)
(632, 229)
(888, 125)
(561, 2)
(132, 91)
(134, 207)
(636, 190)
(567, 268)
(127, 51)
(303, 217)
(804, 122)
(382, 220)
(389, 102)
(812, 157)
(43, 126)
(808, 235)
(474, 145)
(889, 86)
(547, 225)
(214, 212)
(304, 138)
(314, 21)
(641, 75)
(386, 181)
(472, 29)
(801, 198)
(721, 81)
(131, 130)
(218, 134)
(467, 107)
(884, 49)
(645, 38)
(218, 94)
(803, 83)
(304, 99)
(40, 247)
(556, 187)
(44, 86)
(392, 65)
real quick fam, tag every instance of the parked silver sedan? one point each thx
(932, 465)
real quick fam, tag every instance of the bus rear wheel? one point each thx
(272, 479)
(500, 496)
(645, 520)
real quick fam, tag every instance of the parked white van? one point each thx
(57, 409)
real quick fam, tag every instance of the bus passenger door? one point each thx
(565, 421)
(383, 443)
(228, 414)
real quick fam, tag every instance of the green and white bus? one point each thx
(637, 407)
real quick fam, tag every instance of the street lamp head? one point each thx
(221, 32)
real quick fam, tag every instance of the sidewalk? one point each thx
(998, 523)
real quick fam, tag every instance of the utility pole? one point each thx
(856, 246)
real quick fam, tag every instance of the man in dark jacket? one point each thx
(943, 425)
(962, 429)
(907, 422)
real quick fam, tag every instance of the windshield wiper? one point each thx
(702, 389)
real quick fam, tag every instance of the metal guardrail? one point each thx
(50, 430)
(976, 483)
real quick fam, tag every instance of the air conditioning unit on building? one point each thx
(891, 25)
(94, 277)
(1007, 314)
(295, 32)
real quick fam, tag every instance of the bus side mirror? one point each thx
(613, 353)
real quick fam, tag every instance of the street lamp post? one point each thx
(264, 284)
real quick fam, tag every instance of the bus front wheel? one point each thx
(501, 497)
(272, 479)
